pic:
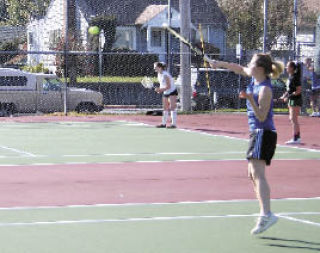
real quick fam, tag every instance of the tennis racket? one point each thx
(147, 82)
(192, 46)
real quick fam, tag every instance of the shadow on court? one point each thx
(302, 244)
(216, 131)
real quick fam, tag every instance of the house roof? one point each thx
(312, 5)
(128, 11)
(149, 13)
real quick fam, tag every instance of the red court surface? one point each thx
(56, 185)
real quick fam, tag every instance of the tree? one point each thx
(109, 26)
(20, 11)
(3, 11)
(246, 17)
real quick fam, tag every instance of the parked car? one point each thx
(278, 89)
(224, 87)
(31, 92)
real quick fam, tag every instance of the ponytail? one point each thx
(271, 68)
(277, 69)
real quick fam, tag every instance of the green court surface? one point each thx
(181, 227)
(96, 142)
(217, 226)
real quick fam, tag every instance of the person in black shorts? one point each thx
(294, 98)
(263, 135)
(170, 93)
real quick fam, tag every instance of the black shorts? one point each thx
(295, 102)
(173, 93)
(262, 145)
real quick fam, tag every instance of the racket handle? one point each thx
(207, 59)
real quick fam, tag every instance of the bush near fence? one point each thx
(128, 63)
(124, 93)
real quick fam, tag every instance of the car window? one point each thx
(50, 84)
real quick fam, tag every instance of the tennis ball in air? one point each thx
(94, 30)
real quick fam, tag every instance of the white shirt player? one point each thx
(163, 84)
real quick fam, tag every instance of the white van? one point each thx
(25, 92)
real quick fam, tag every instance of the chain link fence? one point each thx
(93, 74)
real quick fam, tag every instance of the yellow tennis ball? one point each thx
(94, 30)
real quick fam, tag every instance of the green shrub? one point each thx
(125, 62)
(36, 69)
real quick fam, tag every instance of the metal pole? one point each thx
(265, 25)
(295, 29)
(169, 38)
(239, 77)
(66, 47)
(185, 56)
(100, 53)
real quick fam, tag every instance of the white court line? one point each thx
(159, 204)
(300, 220)
(18, 151)
(152, 219)
(226, 136)
(155, 154)
(147, 161)
(243, 139)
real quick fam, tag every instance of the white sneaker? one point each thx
(292, 141)
(263, 223)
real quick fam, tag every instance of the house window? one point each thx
(156, 38)
(54, 38)
(30, 38)
(124, 39)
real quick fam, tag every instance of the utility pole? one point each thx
(295, 16)
(185, 56)
(66, 46)
(169, 38)
(70, 37)
(265, 25)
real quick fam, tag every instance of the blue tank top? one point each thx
(254, 123)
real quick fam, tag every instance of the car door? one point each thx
(50, 96)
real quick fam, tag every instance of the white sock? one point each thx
(165, 117)
(174, 117)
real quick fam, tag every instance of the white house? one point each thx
(139, 25)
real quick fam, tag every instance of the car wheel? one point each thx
(86, 107)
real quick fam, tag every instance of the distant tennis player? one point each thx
(294, 98)
(263, 136)
(169, 91)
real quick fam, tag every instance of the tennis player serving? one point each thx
(263, 136)
(169, 91)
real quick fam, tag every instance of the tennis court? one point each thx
(125, 186)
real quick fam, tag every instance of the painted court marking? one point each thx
(21, 152)
(132, 123)
(284, 215)
(165, 218)
(157, 204)
(137, 154)
(24, 154)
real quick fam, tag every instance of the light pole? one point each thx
(295, 30)
(101, 42)
(169, 38)
(185, 58)
(265, 25)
